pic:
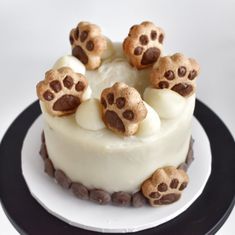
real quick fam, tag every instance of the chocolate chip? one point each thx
(120, 102)
(163, 84)
(80, 54)
(167, 199)
(121, 198)
(83, 36)
(161, 38)
(138, 199)
(182, 71)
(100, 196)
(90, 45)
(129, 115)
(154, 195)
(169, 75)
(71, 39)
(66, 103)
(80, 191)
(138, 50)
(183, 89)
(48, 167)
(80, 86)
(110, 98)
(144, 40)
(76, 33)
(150, 56)
(43, 151)
(62, 179)
(153, 35)
(192, 74)
(68, 82)
(113, 120)
(174, 183)
(183, 186)
(47, 95)
(103, 102)
(162, 187)
(55, 86)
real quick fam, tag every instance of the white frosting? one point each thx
(105, 160)
(167, 103)
(151, 124)
(88, 115)
(72, 62)
(102, 159)
(113, 70)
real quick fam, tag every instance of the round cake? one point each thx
(117, 117)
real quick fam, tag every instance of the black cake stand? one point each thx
(205, 216)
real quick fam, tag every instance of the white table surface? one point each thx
(33, 34)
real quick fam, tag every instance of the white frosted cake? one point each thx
(117, 117)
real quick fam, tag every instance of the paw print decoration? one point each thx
(143, 46)
(177, 73)
(88, 44)
(62, 91)
(122, 109)
(165, 186)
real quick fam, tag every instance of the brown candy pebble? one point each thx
(183, 166)
(62, 179)
(43, 137)
(100, 196)
(138, 199)
(121, 198)
(48, 167)
(80, 191)
(43, 151)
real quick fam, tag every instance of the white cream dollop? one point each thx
(109, 51)
(88, 115)
(70, 61)
(151, 124)
(167, 103)
(87, 93)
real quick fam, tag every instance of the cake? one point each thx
(118, 116)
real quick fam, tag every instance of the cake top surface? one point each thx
(130, 89)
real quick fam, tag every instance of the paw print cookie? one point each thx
(88, 44)
(62, 91)
(122, 109)
(177, 73)
(165, 186)
(143, 46)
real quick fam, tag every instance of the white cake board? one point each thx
(87, 215)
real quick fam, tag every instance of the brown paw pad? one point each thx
(122, 108)
(143, 46)
(165, 186)
(177, 73)
(88, 44)
(62, 91)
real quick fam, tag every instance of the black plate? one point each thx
(205, 216)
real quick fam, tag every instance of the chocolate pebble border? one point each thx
(100, 196)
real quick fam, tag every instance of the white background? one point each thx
(33, 34)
